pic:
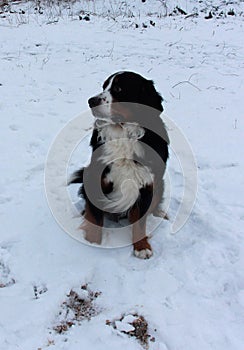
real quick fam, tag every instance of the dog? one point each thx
(129, 154)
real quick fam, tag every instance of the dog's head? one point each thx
(124, 93)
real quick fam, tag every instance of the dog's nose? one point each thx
(94, 101)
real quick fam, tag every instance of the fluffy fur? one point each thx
(132, 177)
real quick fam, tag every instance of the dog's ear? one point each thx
(150, 97)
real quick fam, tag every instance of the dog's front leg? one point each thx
(93, 223)
(142, 248)
(137, 217)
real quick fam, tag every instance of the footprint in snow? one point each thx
(6, 278)
(5, 199)
(14, 127)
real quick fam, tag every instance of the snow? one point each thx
(124, 327)
(192, 289)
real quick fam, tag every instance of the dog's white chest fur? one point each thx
(121, 145)
(121, 142)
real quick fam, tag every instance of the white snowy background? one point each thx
(191, 292)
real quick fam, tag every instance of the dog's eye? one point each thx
(117, 89)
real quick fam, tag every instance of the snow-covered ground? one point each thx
(191, 292)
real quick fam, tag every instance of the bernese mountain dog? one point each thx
(130, 151)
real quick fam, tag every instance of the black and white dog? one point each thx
(130, 151)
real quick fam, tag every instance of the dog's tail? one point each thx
(76, 177)
(122, 199)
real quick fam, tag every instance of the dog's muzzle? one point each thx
(94, 102)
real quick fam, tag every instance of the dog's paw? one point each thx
(160, 214)
(142, 249)
(143, 254)
(93, 233)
